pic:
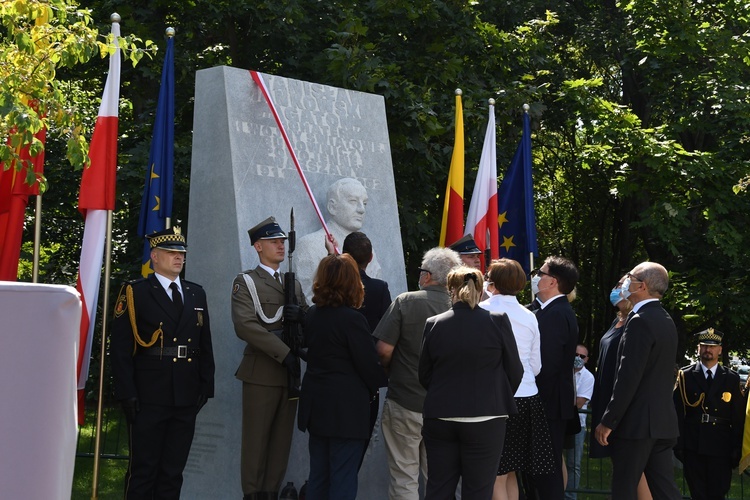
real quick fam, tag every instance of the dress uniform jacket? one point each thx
(719, 432)
(264, 352)
(167, 379)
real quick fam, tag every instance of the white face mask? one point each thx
(625, 290)
(535, 284)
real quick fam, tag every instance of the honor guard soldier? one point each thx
(467, 249)
(163, 368)
(711, 415)
(268, 365)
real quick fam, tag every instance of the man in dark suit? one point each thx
(267, 410)
(711, 414)
(640, 423)
(558, 335)
(163, 368)
(376, 302)
(377, 295)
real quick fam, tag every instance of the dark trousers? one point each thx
(652, 457)
(550, 486)
(708, 478)
(160, 439)
(466, 450)
(333, 467)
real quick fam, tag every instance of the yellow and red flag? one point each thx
(452, 228)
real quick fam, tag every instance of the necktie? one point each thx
(709, 377)
(176, 297)
(277, 277)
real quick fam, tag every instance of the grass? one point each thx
(594, 485)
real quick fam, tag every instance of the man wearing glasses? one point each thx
(558, 334)
(399, 335)
(640, 422)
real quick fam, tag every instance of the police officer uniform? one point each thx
(711, 415)
(163, 370)
(466, 246)
(267, 410)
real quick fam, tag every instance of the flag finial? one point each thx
(169, 32)
(491, 101)
(459, 92)
(115, 17)
(526, 108)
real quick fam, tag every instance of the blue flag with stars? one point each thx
(515, 200)
(156, 205)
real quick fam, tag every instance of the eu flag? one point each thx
(156, 205)
(516, 218)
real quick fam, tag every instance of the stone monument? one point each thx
(242, 173)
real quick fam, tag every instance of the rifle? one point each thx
(292, 334)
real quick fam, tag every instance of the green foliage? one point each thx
(639, 115)
(38, 39)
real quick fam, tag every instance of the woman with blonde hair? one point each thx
(470, 367)
(528, 442)
(343, 374)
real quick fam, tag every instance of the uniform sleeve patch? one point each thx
(121, 305)
(235, 288)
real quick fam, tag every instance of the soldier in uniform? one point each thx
(467, 249)
(268, 408)
(711, 415)
(163, 368)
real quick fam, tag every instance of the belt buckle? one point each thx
(705, 418)
(181, 351)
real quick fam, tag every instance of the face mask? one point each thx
(578, 362)
(535, 284)
(625, 290)
(614, 296)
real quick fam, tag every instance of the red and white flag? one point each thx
(481, 221)
(96, 198)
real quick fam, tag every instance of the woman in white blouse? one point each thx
(527, 441)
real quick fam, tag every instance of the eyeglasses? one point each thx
(423, 270)
(582, 356)
(539, 272)
(634, 277)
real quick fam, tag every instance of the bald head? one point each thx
(654, 275)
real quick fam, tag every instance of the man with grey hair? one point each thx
(399, 335)
(346, 201)
(640, 422)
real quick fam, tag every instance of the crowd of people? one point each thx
(485, 396)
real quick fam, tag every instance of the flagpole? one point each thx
(37, 238)
(102, 354)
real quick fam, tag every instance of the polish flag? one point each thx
(96, 198)
(481, 221)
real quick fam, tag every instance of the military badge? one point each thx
(726, 396)
(121, 305)
(199, 312)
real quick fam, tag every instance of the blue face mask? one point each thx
(615, 297)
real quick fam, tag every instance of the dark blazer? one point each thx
(377, 299)
(161, 380)
(641, 405)
(469, 364)
(343, 373)
(558, 335)
(724, 400)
